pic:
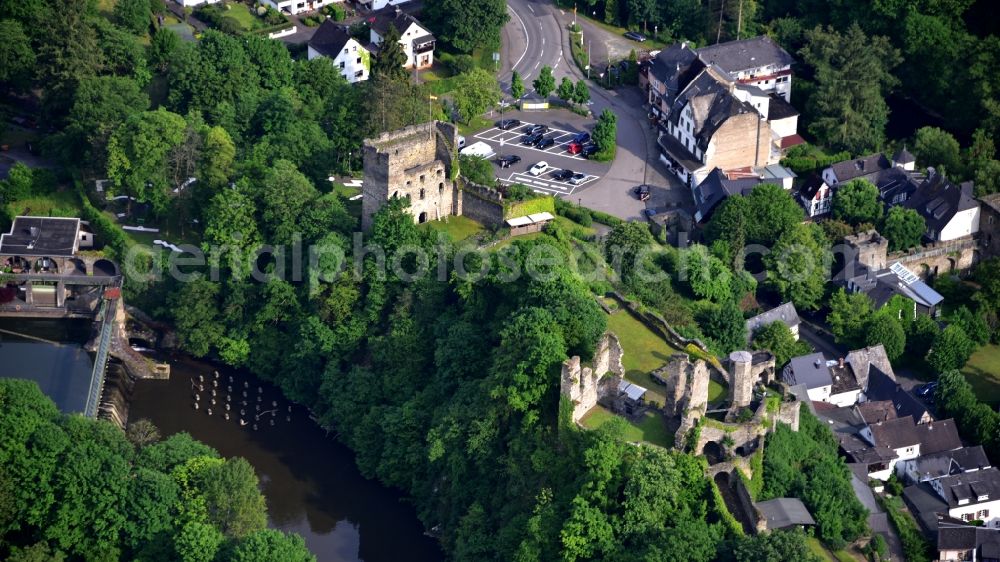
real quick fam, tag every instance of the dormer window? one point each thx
(963, 501)
(983, 498)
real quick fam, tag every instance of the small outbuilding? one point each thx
(783, 513)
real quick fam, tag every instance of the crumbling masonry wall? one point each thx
(584, 386)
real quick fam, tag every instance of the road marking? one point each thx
(543, 41)
(556, 66)
(530, 8)
(536, 65)
(527, 40)
(545, 185)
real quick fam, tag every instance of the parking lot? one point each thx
(562, 128)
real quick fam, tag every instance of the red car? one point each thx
(574, 148)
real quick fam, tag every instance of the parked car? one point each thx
(578, 178)
(649, 213)
(545, 142)
(531, 139)
(926, 390)
(461, 141)
(539, 168)
(581, 138)
(538, 129)
(574, 148)
(642, 192)
(635, 36)
(508, 161)
(588, 150)
(506, 124)
(563, 175)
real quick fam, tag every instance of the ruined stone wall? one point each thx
(584, 386)
(941, 258)
(480, 204)
(698, 378)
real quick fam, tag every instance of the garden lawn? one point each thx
(644, 352)
(58, 204)
(241, 13)
(983, 373)
(456, 228)
(651, 429)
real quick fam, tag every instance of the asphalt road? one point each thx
(536, 36)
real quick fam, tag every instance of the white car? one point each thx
(461, 141)
(539, 168)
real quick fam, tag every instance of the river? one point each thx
(310, 481)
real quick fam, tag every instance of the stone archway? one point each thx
(105, 267)
(714, 452)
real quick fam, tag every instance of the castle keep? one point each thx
(416, 161)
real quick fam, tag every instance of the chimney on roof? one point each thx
(684, 44)
(398, 10)
(818, 363)
(841, 362)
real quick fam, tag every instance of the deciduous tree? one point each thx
(904, 228)
(545, 84)
(857, 202)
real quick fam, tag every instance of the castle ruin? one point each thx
(584, 386)
(421, 162)
(417, 162)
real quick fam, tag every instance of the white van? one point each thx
(461, 141)
(480, 149)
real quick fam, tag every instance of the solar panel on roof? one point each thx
(904, 274)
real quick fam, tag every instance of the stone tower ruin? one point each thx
(870, 247)
(687, 385)
(582, 385)
(417, 162)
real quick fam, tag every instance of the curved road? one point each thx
(537, 36)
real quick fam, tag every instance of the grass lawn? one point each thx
(651, 429)
(818, 549)
(457, 228)
(345, 192)
(716, 391)
(59, 204)
(644, 352)
(983, 373)
(241, 13)
(477, 124)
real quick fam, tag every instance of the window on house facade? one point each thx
(440, 187)
(422, 193)
(358, 61)
(967, 517)
(341, 64)
(421, 178)
(983, 514)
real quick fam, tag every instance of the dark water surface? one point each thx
(49, 352)
(310, 481)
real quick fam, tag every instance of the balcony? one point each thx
(423, 47)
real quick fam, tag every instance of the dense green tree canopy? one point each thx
(798, 266)
(904, 228)
(849, 118)
(777, 338)
(856, 202)
(467, 24)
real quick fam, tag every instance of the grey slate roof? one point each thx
(957, 538)
(329, 39)
(875, 411)
(938, 200)
(781, 513)
(938, 436)
(784, 313)
(863, 168)
(746, 54)
(971, 486)
(903, 156)
(675, 66)
(41, 236)
(711, 103)
(863, 360)
(945, 463)
(883, 387)
(392, 17)
(895, 433)
(810, 370)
